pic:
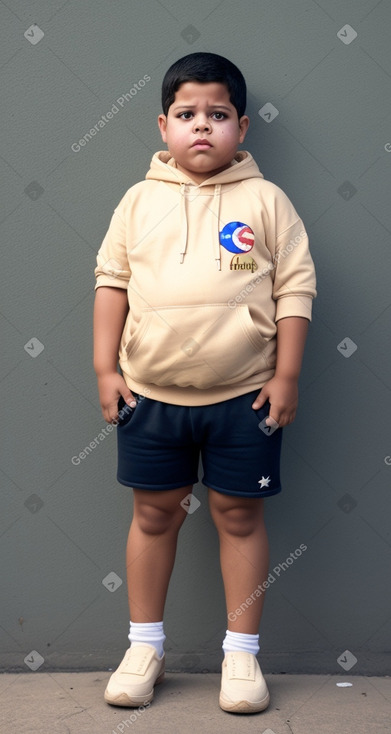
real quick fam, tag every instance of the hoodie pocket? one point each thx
(201, 346)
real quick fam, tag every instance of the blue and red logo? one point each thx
(237, 237)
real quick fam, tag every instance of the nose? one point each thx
(201, 124)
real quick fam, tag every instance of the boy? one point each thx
(204, 288)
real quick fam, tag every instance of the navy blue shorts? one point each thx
(159, 446)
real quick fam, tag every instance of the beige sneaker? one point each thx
(133, 681)
(243, 687)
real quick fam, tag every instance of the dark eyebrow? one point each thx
(190, 106)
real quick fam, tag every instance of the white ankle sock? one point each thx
(150, 633)
(240, 642)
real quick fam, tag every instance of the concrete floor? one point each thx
(72, 703)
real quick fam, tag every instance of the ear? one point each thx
(243, 127)
(162, 122)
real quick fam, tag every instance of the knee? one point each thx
(238, 521)
(156, 520)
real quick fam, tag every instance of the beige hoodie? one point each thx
(209, 269)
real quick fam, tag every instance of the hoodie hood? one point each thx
(163, 168)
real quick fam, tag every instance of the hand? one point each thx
(283, 395)
(111, 386)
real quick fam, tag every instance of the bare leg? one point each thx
(244, 556)
(151, 548)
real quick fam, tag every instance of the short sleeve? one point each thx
(112, 267)
(293, 274)
(294, 284)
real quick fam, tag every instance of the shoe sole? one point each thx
(122, 699)
(244, 707)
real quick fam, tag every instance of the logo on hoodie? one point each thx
(237, 237)
(243, 262)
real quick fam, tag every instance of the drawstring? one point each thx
(215, 209)
(215, 217)
(184, 227)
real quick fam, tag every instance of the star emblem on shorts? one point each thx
(264, 482)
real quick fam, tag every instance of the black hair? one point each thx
(205, 67)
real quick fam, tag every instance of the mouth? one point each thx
(201, 144)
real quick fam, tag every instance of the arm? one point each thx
(110, 311)
(282, 389)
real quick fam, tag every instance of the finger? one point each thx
(260, 400)
(129, 398)
(284, 419)
(109, 417)
(269, 421)
(111, 413)
(291, 418)
(275, 420)
(112, 416)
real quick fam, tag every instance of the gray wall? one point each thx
(64, 526)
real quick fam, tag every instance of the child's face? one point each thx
(202, 112)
